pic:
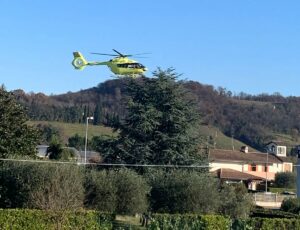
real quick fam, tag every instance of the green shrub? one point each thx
(188, 222)
(131, 192)
(291, 205)
(181, 191)
(274, 224)
(285, 180)
(269, 213)
(121, 191)
(30, 219)
(42, 186)
(100, 191)
(235, 201)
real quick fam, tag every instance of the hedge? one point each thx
(30, 219)
(266, 224)
(216, 222)
(188, 221)
(269, 213)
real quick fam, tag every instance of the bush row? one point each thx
(123, 191)
(71, 187)
(270, 213)
(191, 222)
(30, 219)
(267, 224)
(216, 222)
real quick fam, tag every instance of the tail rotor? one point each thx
(79, 61)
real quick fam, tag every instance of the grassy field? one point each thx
(69, 129)
(222, 141)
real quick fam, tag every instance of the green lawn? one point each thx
(281, 190)
(222, 141)
(70, 129)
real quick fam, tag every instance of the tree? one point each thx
(97, 115)
(55, 149)
(56, 187)
(160, 125)
(285, 180)
(48, 131)
(120, 191)
(182, 191)
(76, 141)
(100, 191)
(291, 205)
(17, 138)
(131, 192)
(235, 201)
(41, 186)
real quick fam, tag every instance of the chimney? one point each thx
(244, 149)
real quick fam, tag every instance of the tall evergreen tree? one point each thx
(97, 115)
(16, 137)
(160, 126)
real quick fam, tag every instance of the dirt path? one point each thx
(127, 222)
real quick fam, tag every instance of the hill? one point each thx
(67, 130)
(215, 137)
(252, 119)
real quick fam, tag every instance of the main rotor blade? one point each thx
(122, 55)
(113, 55)
(139, 54)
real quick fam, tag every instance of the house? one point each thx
(91, 157)
(298, 151)
(42, 150)
(251, 168)
(276, 148)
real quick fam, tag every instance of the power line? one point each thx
(111, 164)
(107, 164)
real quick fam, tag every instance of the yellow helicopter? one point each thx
(121, 65)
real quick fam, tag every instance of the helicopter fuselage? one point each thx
(125, 66)
(121, 66)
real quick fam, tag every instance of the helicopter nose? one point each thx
(145, 69)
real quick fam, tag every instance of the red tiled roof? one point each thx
(225, 173)
(237, 156)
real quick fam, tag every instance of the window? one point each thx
(273, 149)
(287, 168)
(265, 168)
(281, 150)
(130, 65)
(252, 168)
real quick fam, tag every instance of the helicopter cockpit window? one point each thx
(130, 65)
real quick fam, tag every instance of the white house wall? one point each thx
(236, 166)
(241, 167)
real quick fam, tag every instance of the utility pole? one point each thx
(267, 170)
(86, 135)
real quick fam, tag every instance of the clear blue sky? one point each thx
(243, 45)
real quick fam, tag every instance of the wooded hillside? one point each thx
(253, 119)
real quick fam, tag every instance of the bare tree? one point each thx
(60, 189)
